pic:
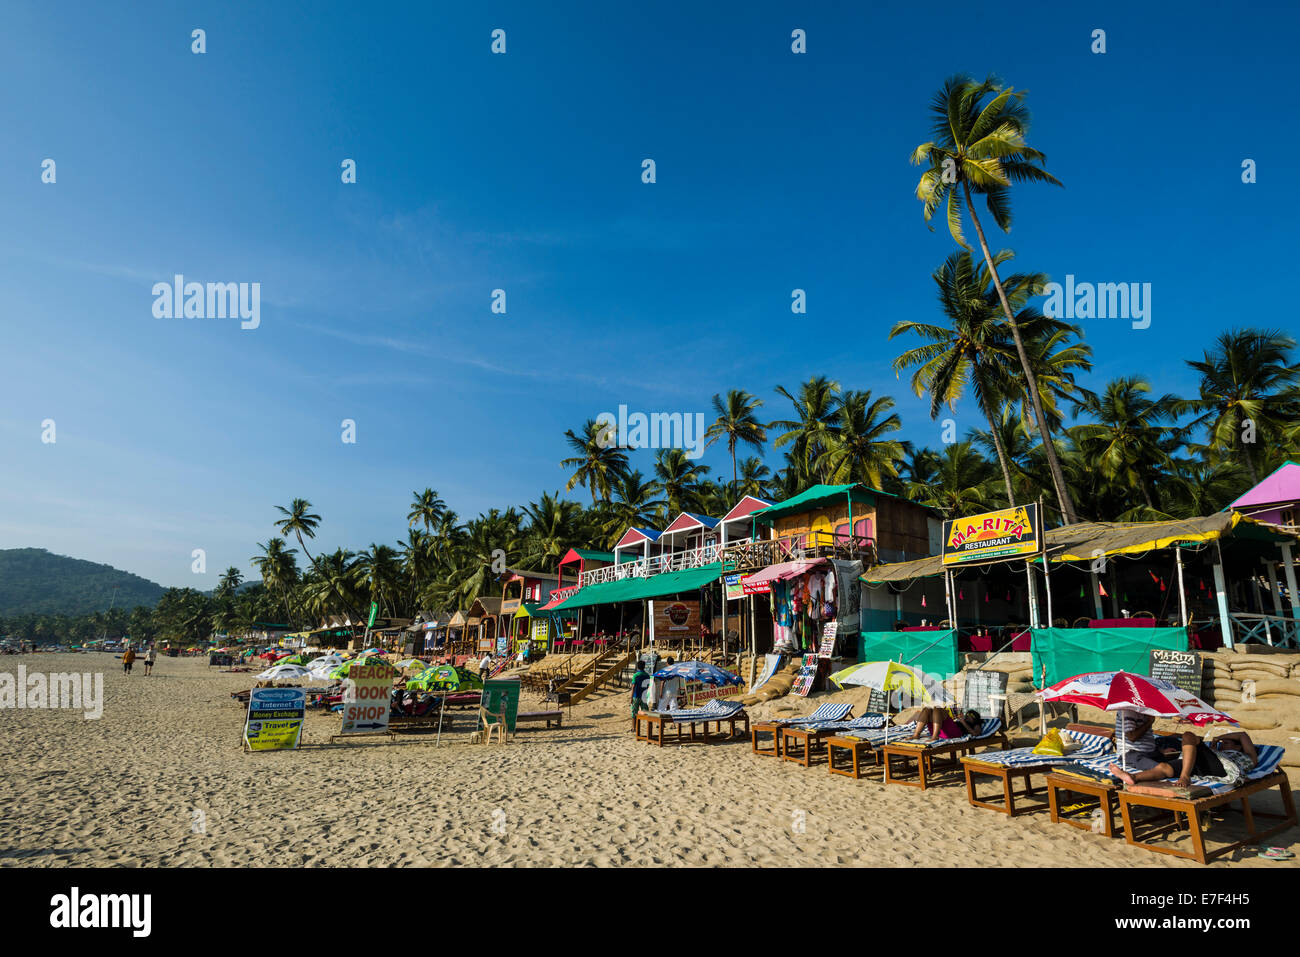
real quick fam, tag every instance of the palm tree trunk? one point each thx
(1031, 382)
(733, 473)
(1002, 459)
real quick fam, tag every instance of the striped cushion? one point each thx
(991, 726)
(877, 736)
(1092, 745)
(830, 711)
(711, 711)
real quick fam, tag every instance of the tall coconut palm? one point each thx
(299, 521)
(635, 502)
(736, 423)
(963, 483)
(230, 581)
(815, 408)
(1248, 377)
(552, 530)
(755, 479)
(597, 462)
(979, 149)
(678, 475)
(378, 572)
(278, 567)
(1126, 440)
(857, 449)
(426, 509)
(332, 586)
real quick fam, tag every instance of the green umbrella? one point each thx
(445, 678)
(342, 670)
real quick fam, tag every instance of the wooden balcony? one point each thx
(751, 556)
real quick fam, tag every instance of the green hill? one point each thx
(35, 581)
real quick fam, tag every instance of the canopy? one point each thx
(785, 570)
(817, 497)
(634, 589)
(527, 610)
(1087, 540)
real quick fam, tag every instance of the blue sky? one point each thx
(522, 171)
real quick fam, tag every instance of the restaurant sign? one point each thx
(993, 536)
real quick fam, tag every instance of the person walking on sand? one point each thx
(639, 681)
(149, 658)
(128, 657)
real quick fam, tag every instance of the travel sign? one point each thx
(993, 536)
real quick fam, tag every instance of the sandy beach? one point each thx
(161, 780)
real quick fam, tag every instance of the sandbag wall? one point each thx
(1262, 691)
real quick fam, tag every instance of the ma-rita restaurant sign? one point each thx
(993, 536)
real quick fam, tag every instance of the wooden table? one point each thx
(858, 750)
(1099, 820)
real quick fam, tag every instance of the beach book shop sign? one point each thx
(993, 536)
(367, 695)
(275, 718)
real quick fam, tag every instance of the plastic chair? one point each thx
(499, 725)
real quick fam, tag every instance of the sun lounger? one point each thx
(861, 743)
(925, 753)
(829, 711)
(1264, 777)
(799, 742)
(1023, 763)
(714, 711)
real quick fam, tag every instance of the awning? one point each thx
(817, 497)
(634, 589)
(1088, 540)
(527, 610)
(784, 570)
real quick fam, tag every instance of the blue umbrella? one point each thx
(698, 671)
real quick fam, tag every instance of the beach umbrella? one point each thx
(700, 671)
(1125, 691)
(342, 670)
(890, 676)
(285, 673)
(445, 678)
(412, 665)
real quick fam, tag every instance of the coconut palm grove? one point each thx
(1119, 452)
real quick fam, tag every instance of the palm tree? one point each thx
(379, 571)
(973, 349)
(736, 423)
(552, 531)
(1126, 439)
(963, 483)
(755, 479)
(230, 580)
(426, 509)
(300, 521)
(331, 588)
(815, 408)
(279, 570)
(981, 148)
(1249, 376)
(597, 462)
(857, 450)
(678, 475)
(634, 505)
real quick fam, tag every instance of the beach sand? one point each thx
(160, 779)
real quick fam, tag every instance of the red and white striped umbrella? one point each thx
(1124, 691)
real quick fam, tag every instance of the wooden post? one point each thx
(1096, 594)
(753, 645)
(1182, 588)
(1288, 566)
(1221, 593)
(1032, 595)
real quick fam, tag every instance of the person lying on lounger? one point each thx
(1228, 758)
(938, 723)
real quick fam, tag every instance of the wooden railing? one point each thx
(745, 556)
(654, 565)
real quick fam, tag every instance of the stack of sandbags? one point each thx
(1259, 690)
(776, 686)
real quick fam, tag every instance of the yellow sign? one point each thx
(993, 536)
(275, 718)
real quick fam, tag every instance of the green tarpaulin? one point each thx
(1067, 652)
(934, 652)
(816, 497)
(634, 589)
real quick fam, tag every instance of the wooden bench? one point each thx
(756, 733)
(799, 744)
(1009, 775)
(924, 756)
(548, 716)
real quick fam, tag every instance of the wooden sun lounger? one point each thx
(548, 716)
(1008, 776)
(858, 749)
(1099, 818)
(756, 733)
(800, 744)
(654, 720)
(1139, 833)
(924, 756)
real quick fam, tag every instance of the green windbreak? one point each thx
(1066, 652)
(934, 652)
(634, 589)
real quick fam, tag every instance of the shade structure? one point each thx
(815, 497)
(700, 671)
(1124, 691)
(445, 678)
(784, 570)
(888, 676)
(634, 589)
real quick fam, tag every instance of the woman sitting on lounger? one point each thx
(939, 724)
(1228, 757)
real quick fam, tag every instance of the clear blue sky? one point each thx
(522, 171)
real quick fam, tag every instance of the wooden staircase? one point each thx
(611, 666)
